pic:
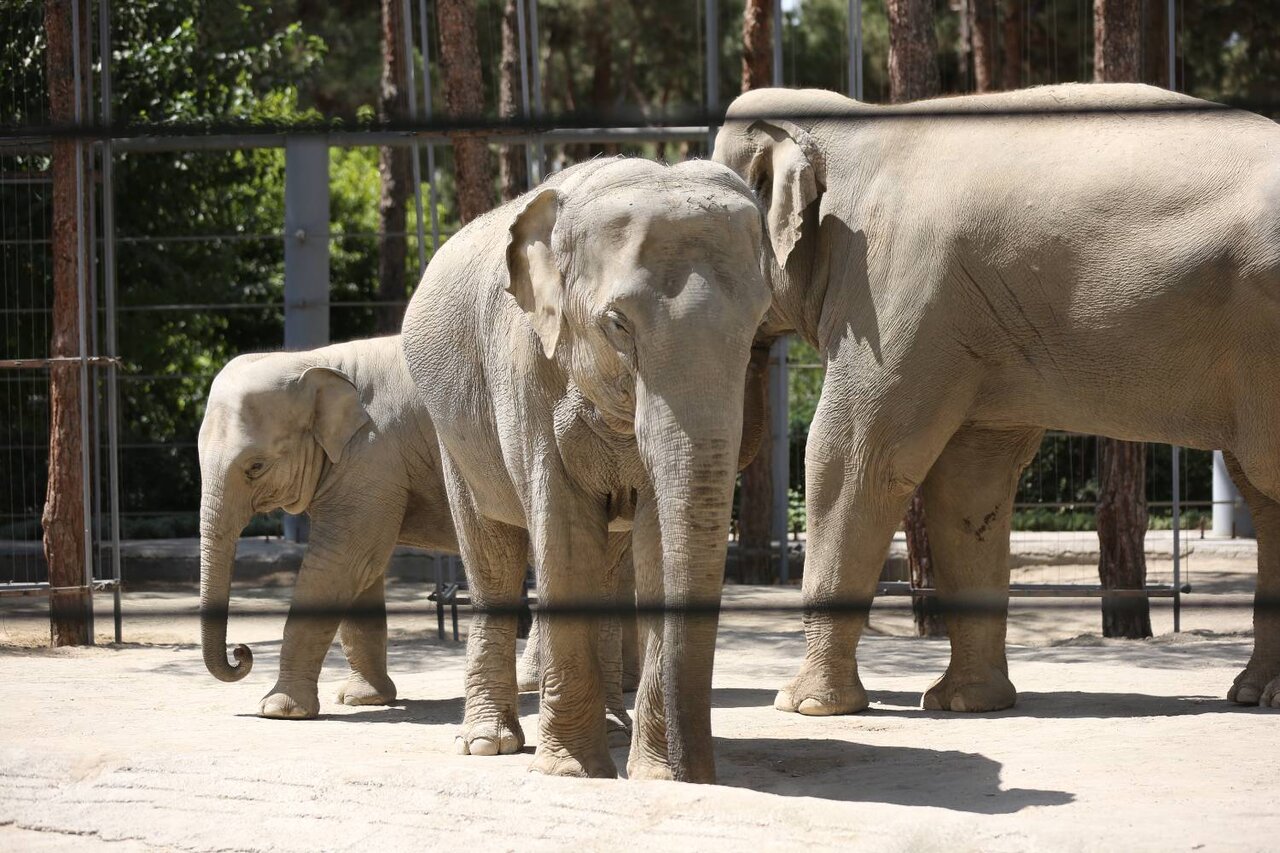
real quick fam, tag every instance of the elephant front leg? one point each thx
(364, 640)
(318, 599)
(571, 553)
(968, 501)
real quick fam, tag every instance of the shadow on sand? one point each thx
(1067, 705)
(861, 773)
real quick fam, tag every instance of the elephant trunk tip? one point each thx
(243, 664)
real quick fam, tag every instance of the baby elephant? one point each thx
(336, 432)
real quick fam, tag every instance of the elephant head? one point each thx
(769, 139)
(273, 425)
(644, 283)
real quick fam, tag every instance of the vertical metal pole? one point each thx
(780, 421)
(82, 301)
(713, 69)
(1177, 539)
(109, 308)
(306, 257)
(416, 164)
(424, 36)
(777, 42)
(1173, 50)
(524, 89)
(535, 68)
(855, 49)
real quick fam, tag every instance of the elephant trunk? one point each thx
(692, 459)
(220, 527)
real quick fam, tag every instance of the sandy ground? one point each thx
(1113, 745)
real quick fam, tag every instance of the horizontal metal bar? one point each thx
(1038, 590)
(35, 363)
(32, 589)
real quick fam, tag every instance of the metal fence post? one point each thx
(109, 310)
(854, 29)
(306, 257)
(1176, 456)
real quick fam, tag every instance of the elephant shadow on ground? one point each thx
(1067, 705)
(425, 712)
(854, 772)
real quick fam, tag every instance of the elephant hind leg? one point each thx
(1259, 682)
(968, 501)
(364, 641)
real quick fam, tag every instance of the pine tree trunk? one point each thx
(757, 45)
(464, 98)
(913, 51)
(394, 170)
(1117, 41)
(513, 175)
(1122, 526)
(755, 508)
(63, 519)
(1011, 47)
(924, 608)
(984, 44)
(1122, 503)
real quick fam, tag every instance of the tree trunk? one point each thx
(394, 170)
(63, 517)
(1117, 41)
(1011, 66)
(913, 51)
(1155, 43)
(1122, 503)
(1122, 526)
(755, 508)
(913, 74)
(464, 98)
(920, 563)
(757, 45)
(601, 30)
(513, 176)
(984, 44)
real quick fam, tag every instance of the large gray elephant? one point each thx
(581, 351)
(973, 279)
(338, 432)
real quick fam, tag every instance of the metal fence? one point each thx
(173, 292)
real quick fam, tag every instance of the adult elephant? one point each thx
(1095, 258)
(581, 351)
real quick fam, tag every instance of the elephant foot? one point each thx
(290, 703)
(649, 770)
(358, 691)
(815, 693)
(593, 762)
(1256, 685)
(971, 691)
(491, 738)
(617, 725)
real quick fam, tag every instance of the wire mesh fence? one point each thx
(199, 288)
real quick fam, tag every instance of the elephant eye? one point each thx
(256, 468)
(618, 330)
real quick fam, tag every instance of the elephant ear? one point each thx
(338, 412)
(787, 174)
(533, 277)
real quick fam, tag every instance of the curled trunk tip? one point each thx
(232, 672)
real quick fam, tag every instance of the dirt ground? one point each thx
(1112, 745)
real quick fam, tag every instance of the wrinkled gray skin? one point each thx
(381, 487)
(972, 281)
(582, 352)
